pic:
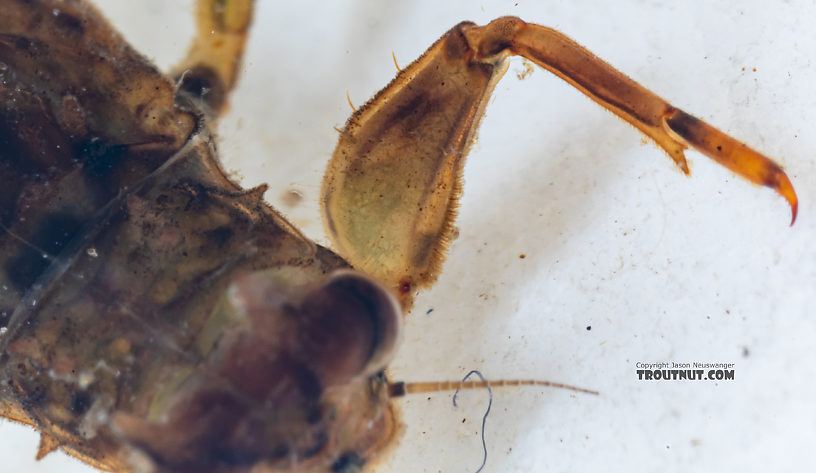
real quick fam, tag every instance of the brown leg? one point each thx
(211, 67)
(391, 188)
(671, 128)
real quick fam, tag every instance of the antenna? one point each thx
(400, 388)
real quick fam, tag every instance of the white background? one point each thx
(663, 268)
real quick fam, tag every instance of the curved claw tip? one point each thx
(785, 189)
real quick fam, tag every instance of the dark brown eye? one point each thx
(348, 463)
(350, 326)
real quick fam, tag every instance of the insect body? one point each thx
(168, 375)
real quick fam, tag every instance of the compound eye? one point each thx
(350, 327)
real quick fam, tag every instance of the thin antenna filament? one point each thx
(398, 389)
